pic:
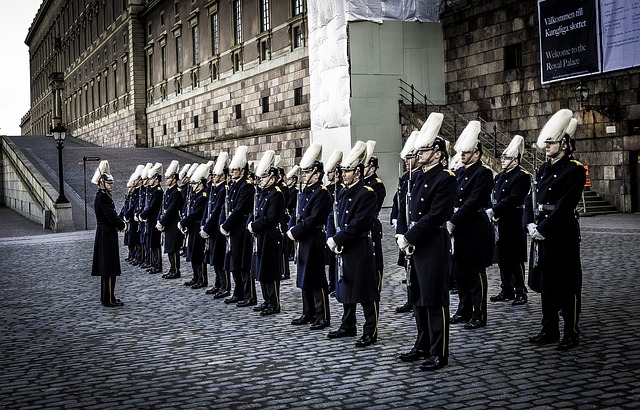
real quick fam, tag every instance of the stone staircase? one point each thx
(593, 204)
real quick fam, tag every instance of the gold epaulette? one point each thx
(487, 167)
(369, 188)
(278, 189)
(450, 172)
(179, 189)
(379, 180)
(323, 187)
(575, 161)
(159, 188)
(204, 194)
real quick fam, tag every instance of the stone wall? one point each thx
(477, 83)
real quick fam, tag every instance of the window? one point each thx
(162, 19)
(215, 39)
(150, 68)
(265, 104)
(238, 111)
(195, 121)
(149, 29)
(237, 61)
(265, 52)
(237, 21)
(163, 52)
(164, 129)
(178, 54)
(176, 9)
(264, 16)
(513, 56)
(297, 96)
(215, 117)
(194, 45)
(179, 125)
(297, 39)
(297, 7)
(298, 152)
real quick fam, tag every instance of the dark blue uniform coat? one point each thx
(509, 191)
(268, 236)
(172, 204)
(241, 193)
(356, 211)
(432, 198)
(558, 185)
(195, 245)
(106, 251)
(314, 208)
(473, 233)
(211, 225)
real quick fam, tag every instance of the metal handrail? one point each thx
(491, 138)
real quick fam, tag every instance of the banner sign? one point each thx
(569, 39)
(620, 34)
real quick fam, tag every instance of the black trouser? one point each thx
(271, 293)
(332, 271)
(156, 258)
(315, 303)
(174, 261)
(472, 293)
(238, 288)
(512, 278)
(248, 286)
(433, 329)
(107, 287)
(199, 272)
(370, 310)
(569, 303)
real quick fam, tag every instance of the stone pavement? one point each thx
(174, 347)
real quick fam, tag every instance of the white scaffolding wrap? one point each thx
(328, 65)
(400, 10)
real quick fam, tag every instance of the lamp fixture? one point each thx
(612, 112)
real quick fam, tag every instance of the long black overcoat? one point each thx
(559, 186)
(432, 198)
(241, 194)
(268, 235)
(195, 244)
(356, 211)
(314, 208)
(509, 191)
(172, 204)
(106, 251)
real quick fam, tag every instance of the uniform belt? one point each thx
(542, 207)
(479, 210)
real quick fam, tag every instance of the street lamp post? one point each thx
(59, 133)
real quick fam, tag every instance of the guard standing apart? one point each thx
(106, 251)
(234, 226)
(334, 185)
(308, 235)
(150, 217)
(407, 180)
(358, 278)
(267, 236)
(471, 230)
(211, 227)
(556, 270)
(172, 203)
(510, 188)
(370, 178)
(427, 245)
(190, 226)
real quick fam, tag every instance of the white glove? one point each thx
(250, 228)
(143, 220)
(536, 235)
(182, 228)
(332, 244)
(135, 218)
(159, 227)
(223, 231)
(203, 234)
(490, 214)
(531, 227)
(125, 219)
(290, 235)
(402, 242)
(394, 223)
(450, 227)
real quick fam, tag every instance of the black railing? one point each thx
(491, 138)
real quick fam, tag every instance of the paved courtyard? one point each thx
(174, 347)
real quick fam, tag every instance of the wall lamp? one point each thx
(612, 112)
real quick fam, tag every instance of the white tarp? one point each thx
(400, 10)
(328, 64)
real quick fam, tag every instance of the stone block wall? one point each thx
(477, 83)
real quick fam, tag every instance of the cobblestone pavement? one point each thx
(174, 347)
